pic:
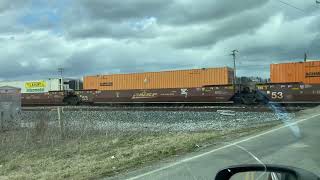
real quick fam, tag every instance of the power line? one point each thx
(297, 8)
(288, 4)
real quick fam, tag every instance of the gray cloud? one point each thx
(107, 18)
(90, 37)
(106, 29)
(167, 11)
(190, 12)
(13, 5)
(247, 22)
(122, 10)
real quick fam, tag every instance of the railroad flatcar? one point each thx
(290, 92)
(294, 82)
(210, 94)
(206, 85)
(199, 95)
(290, 83)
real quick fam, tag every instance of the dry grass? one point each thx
(94, 156)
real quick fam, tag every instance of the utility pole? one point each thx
(233, 54)
(305, 57)
(61, 70)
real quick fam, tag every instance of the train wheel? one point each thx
(249, 98)
(72, 100)
(261, 98)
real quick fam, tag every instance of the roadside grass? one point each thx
(99, 155)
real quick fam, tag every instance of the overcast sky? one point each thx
(117, 36)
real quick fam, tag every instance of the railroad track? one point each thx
(221, 109)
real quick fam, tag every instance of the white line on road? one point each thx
(218, 149)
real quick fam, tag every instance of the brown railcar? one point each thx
(212, 94)
(290, 92)
(49, 98)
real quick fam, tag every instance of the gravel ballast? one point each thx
(155, 120)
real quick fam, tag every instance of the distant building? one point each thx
(10, 106)
(44, 85)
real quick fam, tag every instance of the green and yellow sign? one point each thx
(35, 86)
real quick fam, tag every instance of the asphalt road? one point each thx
(281, 145)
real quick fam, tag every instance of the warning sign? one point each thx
(37, 84)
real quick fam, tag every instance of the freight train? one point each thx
(290, 83)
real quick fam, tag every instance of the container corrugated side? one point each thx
(306, 72)
(160, 80)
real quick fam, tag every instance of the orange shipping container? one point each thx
(306, 72)
(160, 80)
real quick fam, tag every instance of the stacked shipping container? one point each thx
(305, 72)
(161, 80)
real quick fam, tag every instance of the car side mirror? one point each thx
(264, 172)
